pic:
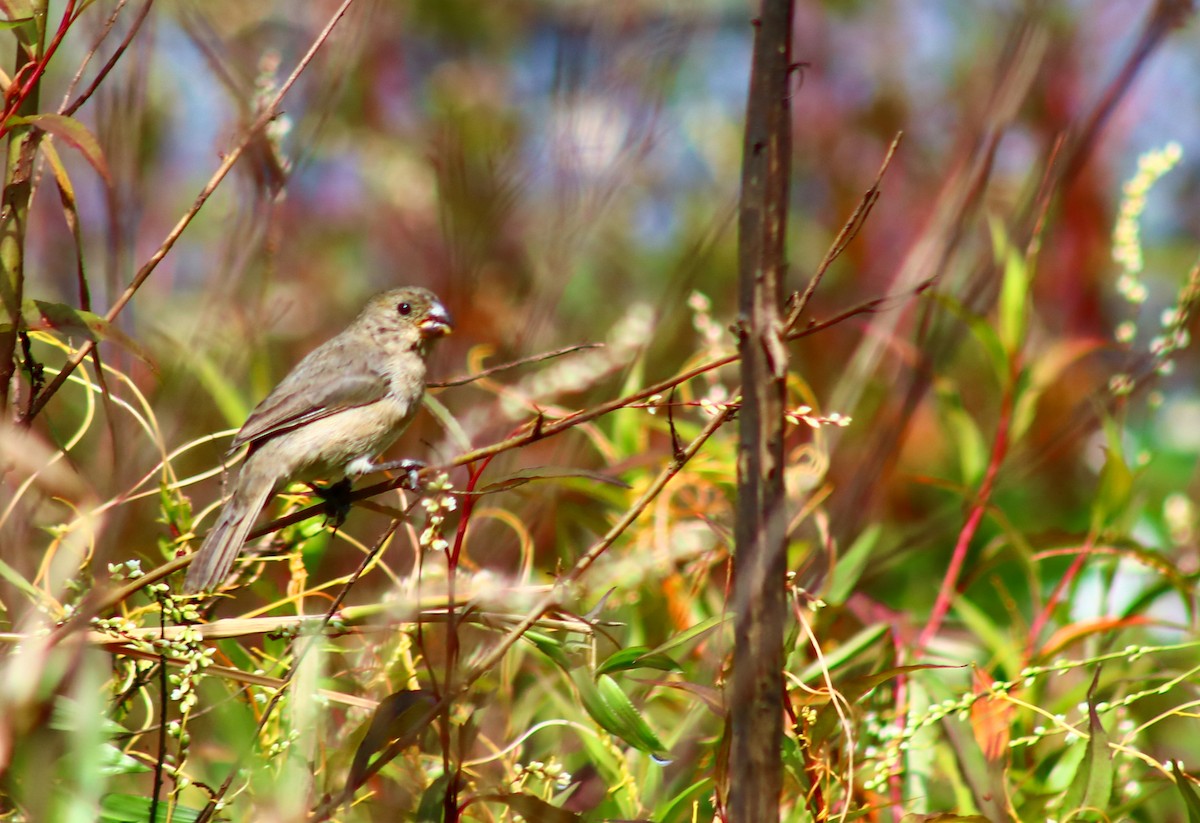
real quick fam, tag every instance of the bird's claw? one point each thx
(336, 497)
(411, 468)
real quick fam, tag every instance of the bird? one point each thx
(343, 404)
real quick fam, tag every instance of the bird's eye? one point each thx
(405, 309)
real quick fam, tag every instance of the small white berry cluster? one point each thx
(804, 414)
(552, 772)
(1127, 241)
(437, 505)
(1127, 252)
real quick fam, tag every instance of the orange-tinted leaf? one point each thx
(991, 718)
(1073, 632)
(680, 601)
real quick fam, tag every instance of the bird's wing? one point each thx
(312, 393)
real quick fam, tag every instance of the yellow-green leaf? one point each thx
(72, 132)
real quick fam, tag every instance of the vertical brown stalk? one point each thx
(760, 563)
(14, 202)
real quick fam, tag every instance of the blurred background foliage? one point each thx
(568, 172)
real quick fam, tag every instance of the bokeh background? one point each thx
(568, 172)
(565, 172)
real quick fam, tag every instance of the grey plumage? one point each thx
(345, 402)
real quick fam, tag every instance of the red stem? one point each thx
(475, 471)
(950, 581)
(13, 105)
(1043, 616)
(468, 505)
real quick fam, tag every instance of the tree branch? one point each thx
(760, 559)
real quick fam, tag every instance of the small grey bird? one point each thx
(345, 402)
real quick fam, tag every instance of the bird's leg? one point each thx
(365, 465)
(336, 497)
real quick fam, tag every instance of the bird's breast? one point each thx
(324, 447)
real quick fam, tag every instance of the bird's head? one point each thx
(410, 310)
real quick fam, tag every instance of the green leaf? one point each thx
(963, 430)
(67, 715)
(114, 761)
(433, 801)
(982, 331)
(225, 393)
(609, 706)
(1014, 290)
(636, 731)
(66, 188)
(17, 580)
(612, 766)
(1046, 372)
(629, 430)
(1116, 480)
(534, 809)
(850, 566)
(72, 132)
(1191, 800)
(847, 652)
(17, 11)
(399, 715)
(711, 697)
(20, 20)
(679, 807)
(828, 723)
(1062, 774)
(1088, 795)
(688, 635)
(637, 657)
(994, 637)
(66, 197)
(551, 648)
(128, 808)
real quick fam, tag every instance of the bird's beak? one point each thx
(437, 322)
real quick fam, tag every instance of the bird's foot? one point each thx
(412, 468)
(336, 497)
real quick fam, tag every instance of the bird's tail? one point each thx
(212, 562)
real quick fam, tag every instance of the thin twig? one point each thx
(849, 231)
(318, 636)
(134, 28)
(161, 760)
(100, 601)
(87, 58)
(524, 361)
(269, 112)
(979, 507)
(548, 602)
(17, 96)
